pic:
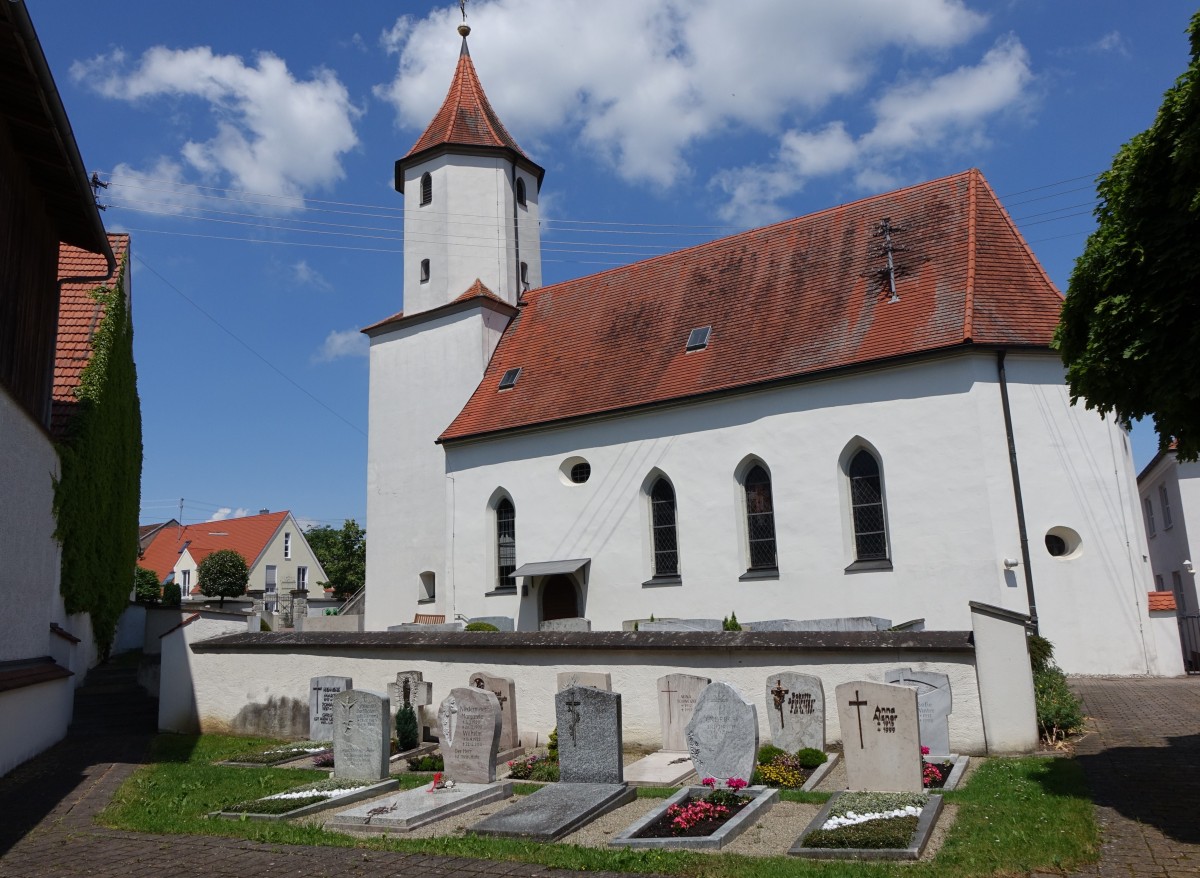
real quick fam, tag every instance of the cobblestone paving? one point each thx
(1141, 756)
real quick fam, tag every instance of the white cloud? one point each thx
(939, 114)
(641, 82)
(307, 276)
(269, 132)
(350, 343)
(228, 512)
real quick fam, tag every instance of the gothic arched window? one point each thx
(506, 543)
(866, 507)
(521, 191)
(426, 189)
(662, 529)
(760, 519)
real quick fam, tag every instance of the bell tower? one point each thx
(471, 202)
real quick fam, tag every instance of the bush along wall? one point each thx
(97, 496)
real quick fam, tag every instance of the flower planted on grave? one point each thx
(934, 774)
(701, 817)
(777, 768)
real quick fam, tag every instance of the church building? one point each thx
(853, 413)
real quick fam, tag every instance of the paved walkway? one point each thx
(1142, 759)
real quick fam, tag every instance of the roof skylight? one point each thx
(698, 338)
(510, 378)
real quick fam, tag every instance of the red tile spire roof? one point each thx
(795, 300)
(79, 316)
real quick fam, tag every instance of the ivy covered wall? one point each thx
(97, 496)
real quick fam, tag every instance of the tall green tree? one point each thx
(223, 574)
(1130, 329)
(342, 553)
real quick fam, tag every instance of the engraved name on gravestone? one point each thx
(321, 692)
(506, 694)
(595, 679)
(589, 735)
(880, 738)
(796, 710)
(469, 720)
(362, 735)
(934, 705)
(722, 735)
(677, 694)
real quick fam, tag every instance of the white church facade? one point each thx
(853, 413)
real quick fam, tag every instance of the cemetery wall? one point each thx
(283, 665)
(334, 623)
(177, 711)
(131, 630)
(44, 712)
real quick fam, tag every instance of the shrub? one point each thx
(545, 771)
(480, 626)
(731, 623)
(1059, 713)
(171, 596)
(767, 754)
(783, 772)
(810, 757)
(524, 768)
(552, 744)
(427, 763)
(1041, 653)
(407, 733)
(146, 587)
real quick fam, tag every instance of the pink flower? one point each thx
(736, 783)
(709, 782)
(924, 750)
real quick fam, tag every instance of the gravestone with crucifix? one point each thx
(321, 692)
(934, 705)
(362, 735)
(677, 694)
(881, 741)
(469, 722)
(796, 710)
(589, 735)
(506, 695)
(722, 735)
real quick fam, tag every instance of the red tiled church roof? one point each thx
(248, 536)
(79, 316)
(477, 290)
(795, 299)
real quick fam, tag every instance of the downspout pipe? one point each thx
(516, 231)
(1016, 480)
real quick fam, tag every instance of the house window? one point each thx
(662, 529)
(287, 545)
(270, 584)
(1149, 516)
(1177, 585)
(1158, 582)
(426, 189)
(866, 505)
(1166, 507)
(521, 191)
(506, 543)
(760, 519)
(301, 578)
(424, 271)
(187, 583)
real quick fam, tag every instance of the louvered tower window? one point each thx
(426, 189)
(760, 519)
(866, 500)
(662, 518)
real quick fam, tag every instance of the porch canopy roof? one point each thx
(549, 568)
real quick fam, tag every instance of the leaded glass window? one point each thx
(866, 501)
(662, 518)
(506, 543)
(760, 519)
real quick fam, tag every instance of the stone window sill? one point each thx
(759, 573)
(426, 600)
(864, 566)
(662, 581)
(496, 592)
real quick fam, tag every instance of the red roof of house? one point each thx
(466, 117)
(247, 536)
(79, 316)
(1161, 600)
(795, 299)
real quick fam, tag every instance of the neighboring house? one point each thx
(272, 543)
(808, 420)
(45, 201)
(1170, 495)
(146, 533)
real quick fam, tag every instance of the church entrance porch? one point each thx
(560, 598)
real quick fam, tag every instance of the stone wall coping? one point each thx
(850, 641)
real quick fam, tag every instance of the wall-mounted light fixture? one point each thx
(1010, 563)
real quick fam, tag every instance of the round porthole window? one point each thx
(581, 472)
(1062, 542)
(574, 471)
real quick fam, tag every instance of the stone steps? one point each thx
(110, 702)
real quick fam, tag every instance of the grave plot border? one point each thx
(420, 750)
(818, 775)
(372, 790)
(495, 792)
(916, 844)
(294, 757)
(762, 798)
(957, 772)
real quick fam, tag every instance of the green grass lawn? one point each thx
(1015, 816)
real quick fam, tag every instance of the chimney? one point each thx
(264, 511)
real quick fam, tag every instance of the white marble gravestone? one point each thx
(722, 735)
(934, 705)
(321, 692)
(362, 736)
(506, 695)
(796, 710)
(589, 735)
(469, 720)
(677, 694)
(881, 741)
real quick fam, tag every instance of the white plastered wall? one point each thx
(1170, 546)
(177, 698)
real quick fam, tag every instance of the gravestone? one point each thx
(506, 695)
(321, 692)
(796, 710)
(722, 735)
(574, 623)
(362, 736)
(841, 623)
(594, 679)
(469, 720)
(683, 625)
(934, 705)
(412, 689)
(677, 694)
(881, 741)
(589, 735)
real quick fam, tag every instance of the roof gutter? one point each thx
(1016, 480)
(62, 130)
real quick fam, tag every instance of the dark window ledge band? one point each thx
(661, 581)
(427, 600)
(759, 573)
(863, 566)
(509, 590)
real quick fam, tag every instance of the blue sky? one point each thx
(250, 150)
